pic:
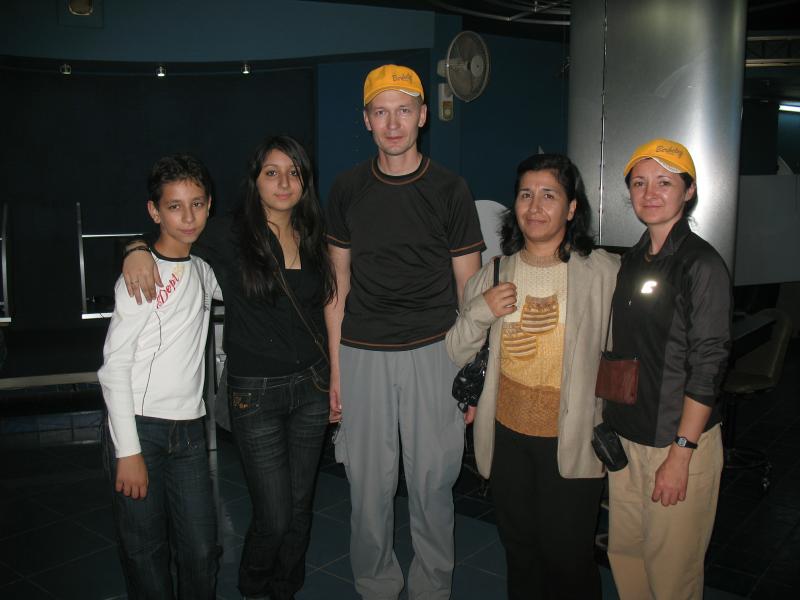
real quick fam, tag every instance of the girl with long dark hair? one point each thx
(273, 268)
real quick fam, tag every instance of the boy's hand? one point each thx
(132, 476)
(141, 276)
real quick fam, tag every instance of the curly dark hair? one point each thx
(258, 261)
(577, 236)
(177, 167)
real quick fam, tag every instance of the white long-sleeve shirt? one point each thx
(154, 352)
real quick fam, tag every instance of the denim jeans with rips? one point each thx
(176, 519)
(279, 425)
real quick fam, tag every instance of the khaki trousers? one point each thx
(658, 551)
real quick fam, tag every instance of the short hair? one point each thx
(577, 236)
(177, 167)
(691, 203)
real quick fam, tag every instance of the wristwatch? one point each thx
(684, 443)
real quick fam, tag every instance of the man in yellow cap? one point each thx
(404, 238)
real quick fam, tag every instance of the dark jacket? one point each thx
(673, 312)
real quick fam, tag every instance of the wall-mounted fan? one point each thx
(466, 68)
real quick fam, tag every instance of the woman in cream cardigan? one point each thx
(547, 321)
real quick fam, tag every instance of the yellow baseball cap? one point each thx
(669, 154)
(392, 77)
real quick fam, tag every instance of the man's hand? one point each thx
(502, 299)
(132, 476)
(469, 416)
(141, 276)
(672, 477)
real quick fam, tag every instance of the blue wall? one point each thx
(207, 30)
(524, 107)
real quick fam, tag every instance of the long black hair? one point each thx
(577, 236)
(259, 263)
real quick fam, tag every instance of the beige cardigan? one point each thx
(590, 285)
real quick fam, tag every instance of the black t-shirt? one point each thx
(261, 338)
(402, 233)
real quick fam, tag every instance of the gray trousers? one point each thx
(388, 398)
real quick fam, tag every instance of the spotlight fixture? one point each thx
(161, 71)
(245, 69)
(65, 69)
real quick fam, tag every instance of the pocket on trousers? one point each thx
(243, 402)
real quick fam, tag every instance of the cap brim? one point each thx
(637, 159)
(412, 93)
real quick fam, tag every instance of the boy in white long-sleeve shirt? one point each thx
(152, 380)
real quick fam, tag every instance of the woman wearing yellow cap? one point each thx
(671, 310)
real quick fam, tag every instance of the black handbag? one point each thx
(608, 448)
(468, 382)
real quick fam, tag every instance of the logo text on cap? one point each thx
(669, 150)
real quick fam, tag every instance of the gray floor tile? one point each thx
(473, 535)
(330, 490)
(330, 540)
(231, 490)
(78, 497)
(21, 514)
(8, 575)
(607, 584)
(100, 521)
(324, 586)
(491, 559)
(229, 573)
(235, 515)
(98, 575)
(49, 547)
(339, 511)
(472, 584)
(24, 590)
(340, 568)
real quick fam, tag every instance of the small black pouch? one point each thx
(608, 448)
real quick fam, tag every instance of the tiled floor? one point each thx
(57, 540)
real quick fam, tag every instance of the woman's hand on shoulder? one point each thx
(502, 299)
(141, 276)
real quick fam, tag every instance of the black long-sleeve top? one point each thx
(673, 312)
(262, 338)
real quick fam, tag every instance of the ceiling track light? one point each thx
(245, 69)
(65, 69)
(161, 71)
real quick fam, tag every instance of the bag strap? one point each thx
(608, 329)
(495, 281)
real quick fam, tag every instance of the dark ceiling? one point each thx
(776, 78)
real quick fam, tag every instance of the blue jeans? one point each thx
(177, 512)
(279, 426)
